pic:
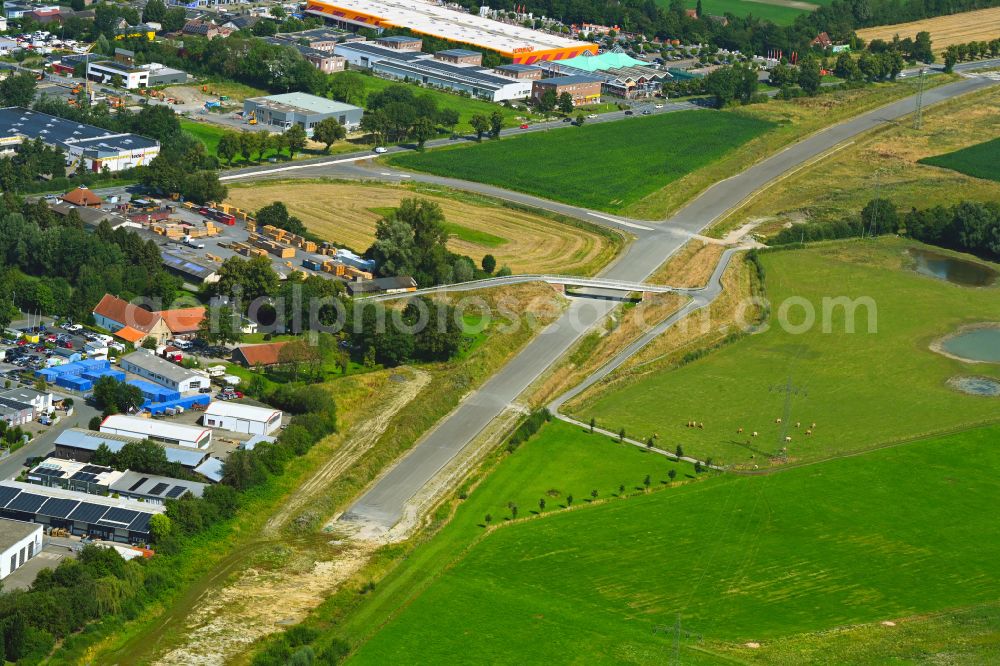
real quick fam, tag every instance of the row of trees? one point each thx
(970, 226)
(971, 51)
(52, 264)
(398, 113)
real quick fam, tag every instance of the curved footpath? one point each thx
(382, 505)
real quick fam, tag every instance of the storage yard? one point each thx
(347, 213)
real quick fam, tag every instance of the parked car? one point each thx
(591, 115)
(630, 112)
(524, 125)
(381, 149)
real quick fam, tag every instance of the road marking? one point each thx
(297, 166)
(622, 222)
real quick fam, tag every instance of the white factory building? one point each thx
(237, 417)
(149, 366)
(19, 542)
(171, 434)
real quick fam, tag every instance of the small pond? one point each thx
(976, 385)
(975, 344)
(956, 271)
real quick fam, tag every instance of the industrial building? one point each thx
(73, 475)
(19, 542)
(107, 518)
(91, 147)
(189, 270)
(432, 70)
(321, 39)
(283, 111)
(154, 489)
(165, 373)
(237, 417)
(173, 434)
(520, 44)
(79, 444)
(583, 89)
(323, 60)
(132, 77)
(621, 74)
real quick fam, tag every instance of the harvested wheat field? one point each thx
(346, 214)
(980, 25)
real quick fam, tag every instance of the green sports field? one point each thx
(981, 160)
(861, 389)
(891, 534)
(606, 166)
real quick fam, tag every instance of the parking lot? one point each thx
(53, 341)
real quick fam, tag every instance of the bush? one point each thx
(528, 427)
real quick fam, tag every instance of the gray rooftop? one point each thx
(211, 469)
(515, 67)
(160, 366)
(18, 121)
(151, 485)
(304, 102)
(458, 53)
(569, 80)
(88, 440)
(12, 531)
(186, 266)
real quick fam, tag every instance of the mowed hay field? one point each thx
(981, 160)
(605, 166)
(979, 25)
(887, 535)
(346, 214)
(893, 156)
(862, 389)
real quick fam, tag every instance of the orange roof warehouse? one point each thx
(520, 44)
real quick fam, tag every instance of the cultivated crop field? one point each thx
(980, 25)
(779, 12)
(600, 167)
(861, 389)
(346, 214)
(880, 537)
(981, 160)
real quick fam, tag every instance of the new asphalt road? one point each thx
(383, 504)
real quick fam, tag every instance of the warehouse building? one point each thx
(429, 70)
(583, 89)
(283, 111)
(131, 77)
(530, 72)
(107, 518)
(79, 444)
(154, 489)
(172, 434)
(19, 542)
(520, 44)
(190, 271)
(237, 417)
(163, 372)
(92, 147)
(72, 475)
(321, 39)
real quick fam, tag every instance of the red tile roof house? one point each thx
(81, 196)
(252, 355)
(135, 324)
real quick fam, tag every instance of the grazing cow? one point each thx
(788, 439)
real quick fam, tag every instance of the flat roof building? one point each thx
(80, 444)
(427, 70)
(520, 71)
(163, 372)
(283, 111)
(72, 475)
(94, 147)
(153, 488)
(521, 44)
(164, 432)
(19, 542)
(107, 518)
(238, 417)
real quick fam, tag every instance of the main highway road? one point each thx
(383, 504)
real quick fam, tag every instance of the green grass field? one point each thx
(861, 388)
(891, 534)
(777, 14)
(596, 165)
(207, 133)
(981, 160)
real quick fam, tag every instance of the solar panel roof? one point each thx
(84, 476)
(138, 483)
(88, 513)
(27, 502)
(57, 508)
(7, 494)
(48, 471)
(176, 492)
(141, 523)
(158, 489)
(120, 516)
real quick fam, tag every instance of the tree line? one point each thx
(969, 226)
